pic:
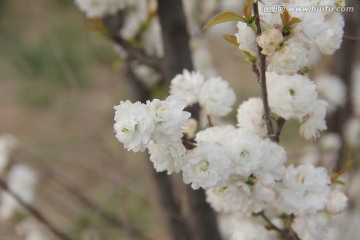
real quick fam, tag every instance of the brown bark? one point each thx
(178, 57)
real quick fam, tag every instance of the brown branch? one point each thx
(262, 77)
(352, 38)
(178, 57)
(35, 213)
(268, 221)
(85, 201)
(280, 124)
(288, 234)
(76, 192)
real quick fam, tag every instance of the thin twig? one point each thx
(352, 38)
(35, 213)
(268, 221)
(114, 24)
(280, 124)
(262, 77)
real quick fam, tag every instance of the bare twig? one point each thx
(288, 234)
(352, 38)
(35, 213)
(280, 124)
(268, 221)
(262, 77)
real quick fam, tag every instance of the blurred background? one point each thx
(58, 85)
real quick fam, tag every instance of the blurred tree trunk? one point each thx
(345, 59)
(178, 57)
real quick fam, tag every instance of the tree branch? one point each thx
(35, 213)
(178, 57)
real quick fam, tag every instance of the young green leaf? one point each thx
(231, 39)
(224, 17)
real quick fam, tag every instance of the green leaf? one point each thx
(339, 182)
(248, 6)
(231, 39)
(224, 17)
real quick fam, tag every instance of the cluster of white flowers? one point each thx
(243, 172)
(156, 125)
(296, 97)
(214, 94)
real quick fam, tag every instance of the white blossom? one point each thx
(290, 58)
(206, 166)
(250, 115)
(168, 156)
(100, 8)
(202, 57)
(216, 97)
(242, 146)
(304, 189)
(146, 74)
(186, 86)
(21, 181)
(133, 125)
(30, 229)
(135, 15)
(270, 40)
(232, 198)
(330, 39)
(246, 38)
(337, 202)
(263, 197)
(215, 134)
(352, 132)
(314, 121)
(269, 19)
(191, 128)
(249, 229)
(290, 96)
(169, 119)
(271, 167)
(310, 26)
(317, 226)
(333, 89)
(7, 144)
(152, 40)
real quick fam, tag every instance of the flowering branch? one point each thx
(35, 213)
(262, 76)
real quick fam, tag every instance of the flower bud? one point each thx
(270, 40)
(337, 202)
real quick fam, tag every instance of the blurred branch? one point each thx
(177, 57)
(76, 192)
(142, 92)
(114, 24)
(35, 213)
(85, 201)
